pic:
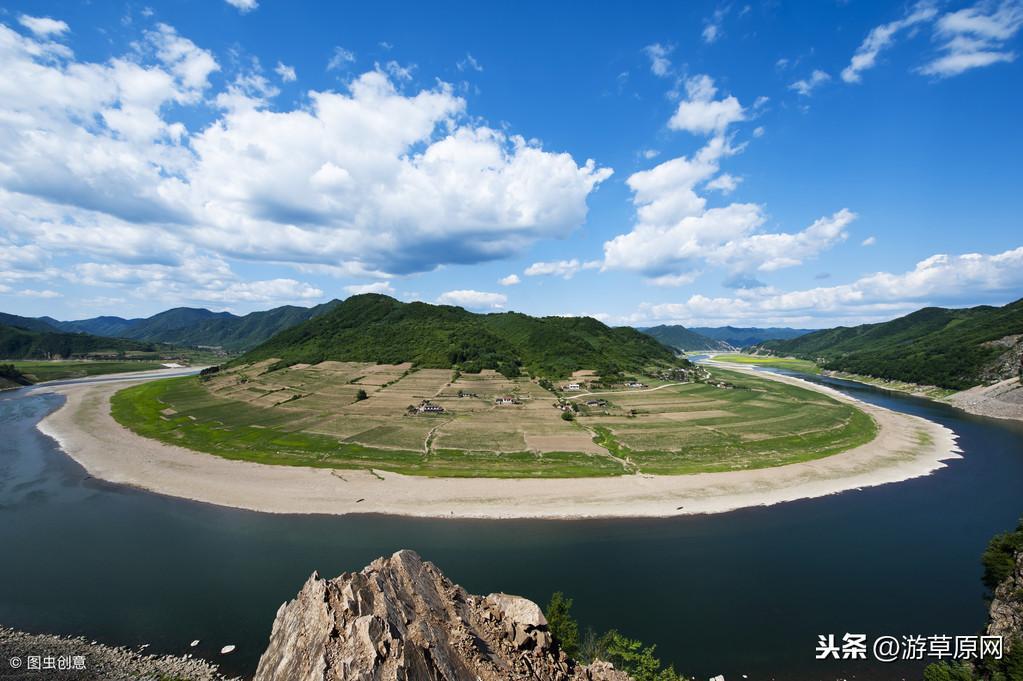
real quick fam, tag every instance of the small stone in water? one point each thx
(226, 649)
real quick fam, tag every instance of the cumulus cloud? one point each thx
(806, 86)
(975, 36)
(510, 280)
(474, 300)
(700, 113)
(243, 6)
(724, 183)
(566, 269)
(883, 36)
(366, 181)
(937, 279)
(197, 278)
(676, 232)
(43, 27)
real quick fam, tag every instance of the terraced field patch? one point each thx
(360, 415)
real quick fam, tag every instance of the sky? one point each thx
(761, 163)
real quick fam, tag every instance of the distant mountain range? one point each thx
(717, 337)
(951, 348)
(378, 328)
(182, 326)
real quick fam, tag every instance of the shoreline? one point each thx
(980, 400)
(906, 447)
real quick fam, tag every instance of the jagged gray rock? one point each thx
(1005, 617)
(401, 619)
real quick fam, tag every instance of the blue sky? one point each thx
(763, 163)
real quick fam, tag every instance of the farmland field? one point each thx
(313, 416)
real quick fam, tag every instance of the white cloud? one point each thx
(675, 231)
(340, 58)
(869, 241)
(368, 180)
(713, 27)
(397, 71)
(650, 154)
(469, 62)
(32, 293)
(475, 300)
(758, 131)
(660, 65)
(673, 280)
(197, 278)
(881, 37)
(510, 280)
(376, 287)
(700, 113)
(724, 183)
(565, 269)
(975, 36)
(806, 86)
(43, 27)
(285, 72)
(243, 6)
(937, 279)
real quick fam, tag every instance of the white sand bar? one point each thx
(906, 447)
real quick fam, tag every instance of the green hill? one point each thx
(676, 336)
(184, 326)
(742, 336)
(950, 348)
(377, 328)
(20, 343)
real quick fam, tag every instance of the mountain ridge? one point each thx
(954, 348)
(377, 328)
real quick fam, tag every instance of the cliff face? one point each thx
(1006, 614)
(400, 619)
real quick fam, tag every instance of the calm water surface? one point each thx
(745, 592)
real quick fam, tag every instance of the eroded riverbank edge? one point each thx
(906, 447)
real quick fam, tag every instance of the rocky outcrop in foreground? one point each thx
(99, 662)
(400, 619)
(1005, 617)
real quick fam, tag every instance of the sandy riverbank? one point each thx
(906, 447)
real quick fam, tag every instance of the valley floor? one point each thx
(906, 447)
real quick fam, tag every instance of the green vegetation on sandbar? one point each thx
(750, 423)
(790, 363)
(307, 416)
(180, 411)
(59, 370)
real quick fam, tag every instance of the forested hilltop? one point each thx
(377, 328)
(950, 348)
(21, 343)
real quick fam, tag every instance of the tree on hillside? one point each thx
(562, 624)
(361, 395)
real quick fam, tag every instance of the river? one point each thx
(745, 592)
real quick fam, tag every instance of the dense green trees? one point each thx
(20, 343)
(377, 328)
(933, 346)
(626, 654)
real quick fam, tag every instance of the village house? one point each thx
(506, 399)
(635, 384)
(428, 407)
(573, 386)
